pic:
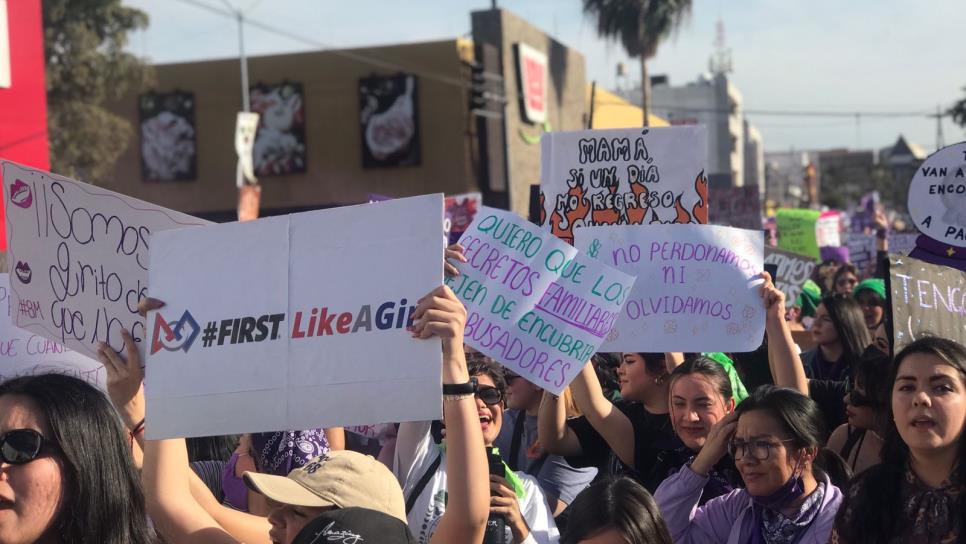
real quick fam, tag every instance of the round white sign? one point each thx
(937, 196)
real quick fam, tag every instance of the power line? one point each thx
(456, 82)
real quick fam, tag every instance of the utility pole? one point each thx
(243, 59)
(940, 140)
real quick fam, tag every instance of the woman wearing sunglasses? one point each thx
(421, 466)
(859, 441)
(66, 473)
(774, 437)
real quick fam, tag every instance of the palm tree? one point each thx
(639, 25)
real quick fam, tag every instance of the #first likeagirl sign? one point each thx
(295, 322)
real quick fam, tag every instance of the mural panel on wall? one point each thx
(168, 138)
(389, 120)
(280, 140)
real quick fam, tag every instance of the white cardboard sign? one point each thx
(533, 302)
(23, 353)
(937, 196)
(295, 322)
(696, 288)
(622, 177)
(78, 257)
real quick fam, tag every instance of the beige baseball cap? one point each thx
(338, 478)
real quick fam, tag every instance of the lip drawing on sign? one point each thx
(23, 271)
(21, 195)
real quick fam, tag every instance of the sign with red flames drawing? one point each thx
(622, 177)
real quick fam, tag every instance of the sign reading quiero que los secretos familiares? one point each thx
(533, 302)
(312, 333)
(78, 257)
(697, 286)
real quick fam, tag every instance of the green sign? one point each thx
(796, 231)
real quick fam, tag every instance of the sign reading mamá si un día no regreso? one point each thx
(622, 177)
(696, 288)
(310, 332)
(533, 302)
(78, 256)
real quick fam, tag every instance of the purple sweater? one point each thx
(729, 518)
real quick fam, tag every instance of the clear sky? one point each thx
(820, 55)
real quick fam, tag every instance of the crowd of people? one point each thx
(843, 441)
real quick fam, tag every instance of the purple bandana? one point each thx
(281, 452)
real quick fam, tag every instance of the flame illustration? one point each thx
(543, 210)
(636, 216)
(683, 215)
(700, 209)
(654, 217)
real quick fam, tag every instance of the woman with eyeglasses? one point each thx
(918, 493)
(859, 440)
(845, 279)
(66, 473)
(774, 437)
(421, 466)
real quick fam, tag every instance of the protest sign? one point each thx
(828, 229)
(622, 177)
(937, 196)
(793, 270)
(696, 289)
(902, 243)
(23, 353)
(458, 213)
(738, 207)
(308, 335)
(797, 231)
(79, 257)
(927, 299)
(533, 302)
(862, 251)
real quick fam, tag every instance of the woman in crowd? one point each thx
(774, 437)
(841, 335)
(630, 437)
(916, 495)
(615, 511)
(845, 279)
(859, 440)
(871, 296)
(701, 396)
(424, 469)
(66, 473)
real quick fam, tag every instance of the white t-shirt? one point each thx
(416, 453)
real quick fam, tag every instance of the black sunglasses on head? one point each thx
(21, 446)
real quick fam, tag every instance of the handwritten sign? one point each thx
(23, 353)
(738, 207)
(533, 302)
(926, 299)
(937, 196)
(828, 229)
(797, 231)
(79, 257)
(622, 177)
(793, 270)
(862, 250)
(696, 286)
(307, 335)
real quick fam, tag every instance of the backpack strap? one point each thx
(423, 482)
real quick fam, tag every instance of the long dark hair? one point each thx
(873, 506)
(621, 504)
(103, 499)
(849, 323)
